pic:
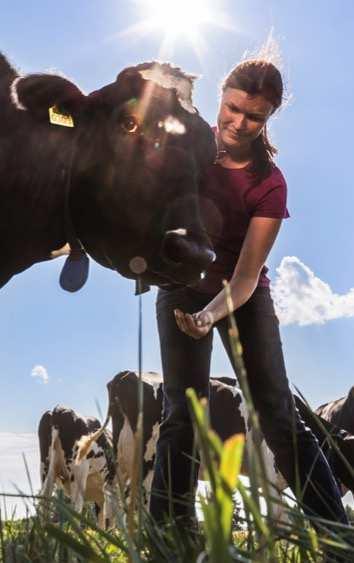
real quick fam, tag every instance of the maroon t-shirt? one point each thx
(229, 199)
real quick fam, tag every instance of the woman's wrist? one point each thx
(208, 317)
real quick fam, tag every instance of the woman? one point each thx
(243, 203)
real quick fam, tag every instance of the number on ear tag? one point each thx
(58, 118)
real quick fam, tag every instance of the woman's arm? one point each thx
(260, 237)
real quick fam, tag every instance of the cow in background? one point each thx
(59, 433)
(228, 416)
(124, 410)
(339, 412)
(336, 444)
(114, 173)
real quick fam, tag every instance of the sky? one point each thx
(63, 348)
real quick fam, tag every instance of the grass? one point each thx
(226, 534)
(75, 538)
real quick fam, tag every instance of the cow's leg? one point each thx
(99, 511)
(79, 476)
(48, 469)
(276, 484)
(109, 507)
(149, 456)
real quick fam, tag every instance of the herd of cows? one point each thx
(109, 464)
(115, 174)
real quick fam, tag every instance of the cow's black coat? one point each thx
(120, 191)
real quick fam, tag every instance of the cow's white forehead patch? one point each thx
(14, 94)
(182, 85)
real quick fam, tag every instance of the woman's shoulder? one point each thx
(275, 177)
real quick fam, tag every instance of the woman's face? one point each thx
(241, 118)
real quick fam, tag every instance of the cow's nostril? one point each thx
(180, 249)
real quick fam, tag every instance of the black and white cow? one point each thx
(228, 416)
(60, 432)
(339, 412)
(124, 409)
(115, 172)
(336, 443)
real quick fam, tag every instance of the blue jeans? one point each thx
(186, 363)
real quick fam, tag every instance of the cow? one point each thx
(113, 174)
(336, 443)
(228, 416)
(123, 409)
(339, 412)
(59, 433)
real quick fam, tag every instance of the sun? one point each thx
(177, 17)
(182, 21)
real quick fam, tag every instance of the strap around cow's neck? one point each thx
(76, 268)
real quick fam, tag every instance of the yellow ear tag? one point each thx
(58, 118)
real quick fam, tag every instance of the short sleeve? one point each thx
(272, 198)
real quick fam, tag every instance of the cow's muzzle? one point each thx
(183, 250)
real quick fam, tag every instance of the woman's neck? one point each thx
(234, 160)
(233, 157)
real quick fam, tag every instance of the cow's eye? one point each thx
(130, 124)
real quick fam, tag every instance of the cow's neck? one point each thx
(32, 212)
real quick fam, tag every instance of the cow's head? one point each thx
(140, 151)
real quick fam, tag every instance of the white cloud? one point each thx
(302, 298)
(41, 373)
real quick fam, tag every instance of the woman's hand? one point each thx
(196, 325)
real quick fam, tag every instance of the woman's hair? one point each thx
(259, 76)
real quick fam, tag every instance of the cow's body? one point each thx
(60, 432)
(123, 404)
(339, 412)
(228, 416)
(122, 182)
(336, 443)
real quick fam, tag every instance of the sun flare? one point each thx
(182, 21)
(181, 17)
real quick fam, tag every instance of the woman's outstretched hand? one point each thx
(196, 325)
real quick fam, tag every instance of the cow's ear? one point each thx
(129, 84)
(37, 93)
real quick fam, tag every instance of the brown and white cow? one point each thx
(60, 432)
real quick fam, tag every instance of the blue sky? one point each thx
(82, 340)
